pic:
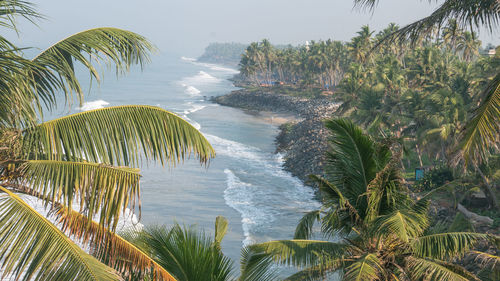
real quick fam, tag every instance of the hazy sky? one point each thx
(185, 27)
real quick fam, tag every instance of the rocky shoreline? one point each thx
(303, 142)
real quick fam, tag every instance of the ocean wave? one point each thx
(212, 66)
(190, 90)
(272, 164)
(187, 59)
(201, 78)
(90, 105)
(235, 149)
(193, 108)
(275, 190)
(238, 195)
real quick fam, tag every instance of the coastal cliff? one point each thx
(303, 142)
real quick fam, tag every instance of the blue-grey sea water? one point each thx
(245, 182)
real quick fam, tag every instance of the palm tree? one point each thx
(83, 166)
(380, 232)
(481, 133)
(191, 255)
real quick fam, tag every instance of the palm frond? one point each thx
(316, 273)
(350, 161)
(221, 225)
(428, 269)
(301, 253)
(110, 248)
(405, 224)
(368, 267)
(186, 253)
(18, 102)
(445, 245)
(100, 189)
(365, 4)
(117, 136)
(482, 132)
(306, 223)
(256, 266)
(10, 10)
(487, 259)
(32, 247)
(112, 46)
(384, 192)
(473, 13)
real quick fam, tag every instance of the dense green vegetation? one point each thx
(223, 53)
(378, 231)
(421, 94)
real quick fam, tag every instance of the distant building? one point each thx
(492, 52)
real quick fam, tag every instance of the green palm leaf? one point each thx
(101, 190)
(186, 254)
(306, 223)
(11, 9)
(405, 224)
(32, 247)
(302, 253)
(482, 132)
(117, 136)
(445, 245)
(110, 45)
(367, 268)
(428, 269)
(351, 162)
(256, 266)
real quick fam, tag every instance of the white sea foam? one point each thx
(90, 105)
(211, 66)
(289, 195)
(238, 195)
(202, 78)
(190, 90)
(193, 108)
(234, 149)
(187, 59)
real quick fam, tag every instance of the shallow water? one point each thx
(245, 182)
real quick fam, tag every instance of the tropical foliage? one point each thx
(83, 166)
(191, 255)
(424, 94)
(378, 231)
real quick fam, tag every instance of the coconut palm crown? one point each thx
(375, 230)
(83, 166)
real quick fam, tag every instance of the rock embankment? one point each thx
(304, 142)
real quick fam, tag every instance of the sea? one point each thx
(245, 182)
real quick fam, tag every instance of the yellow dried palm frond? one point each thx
(31, 247)
(110, 248)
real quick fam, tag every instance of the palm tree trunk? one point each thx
(419, 155)
(492, 198)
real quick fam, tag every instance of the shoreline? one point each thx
(302, 138)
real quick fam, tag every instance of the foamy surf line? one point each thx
(272, 163)
(239, 194)
(190, 90)
(211, 66)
